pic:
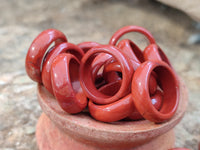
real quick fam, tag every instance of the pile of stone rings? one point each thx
(114, 81)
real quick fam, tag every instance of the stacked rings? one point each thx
(114, 81)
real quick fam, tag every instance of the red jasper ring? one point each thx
(131, 50)
(66, 85)
(85, 46)
(86, 75)
(98, 63)
(37, 50)
(119, 81)
(114, 66)
(154, 52)
(115, 111)
(98, 66)
(120, 109)
(156, 97)
(128, 29)
(156, 101)
(179, 149)
(111, 70)
(112, 112)
(140, 91)
(61, 48)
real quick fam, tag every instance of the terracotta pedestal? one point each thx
(58, 130)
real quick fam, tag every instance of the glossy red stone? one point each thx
(115, 111)
(98, 64)
(156, 100)
(119, 81)
(112, 112)
(117, 35)
(61, 48)
(37, 50)
(85, 46)
(115, 67)
(86, 76)
(136, 55)
(179, 149)
(66, 84)
(141, 96)
(131, 50)
(154, 53)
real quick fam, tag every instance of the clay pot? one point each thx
(58, 130)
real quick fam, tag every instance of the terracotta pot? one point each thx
(58, 130)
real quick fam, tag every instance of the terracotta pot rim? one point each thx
(86, 127)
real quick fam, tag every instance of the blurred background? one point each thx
(174, 26)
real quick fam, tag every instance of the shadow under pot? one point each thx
(169, 85)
